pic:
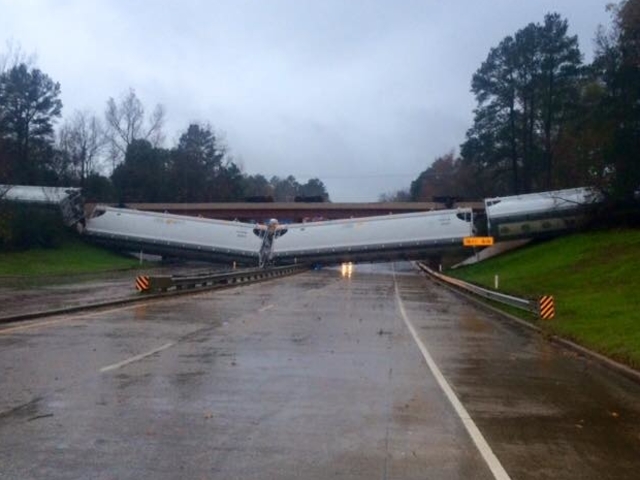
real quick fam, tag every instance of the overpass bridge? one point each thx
(371, 238)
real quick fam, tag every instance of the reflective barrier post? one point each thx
(142, 283)
(546, 307)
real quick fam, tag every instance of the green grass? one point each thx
(594, 278)
(73, 257)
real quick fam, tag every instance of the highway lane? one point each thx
(313, 376)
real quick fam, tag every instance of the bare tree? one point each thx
(155, 134)
(125, 123)
(14, 56)
(402, 195)
(81, 140)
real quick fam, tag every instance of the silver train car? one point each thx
(539, 214)
(364, 239)
(172, 235)
(68, 200)
(403, 236)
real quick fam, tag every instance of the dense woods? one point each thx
(545, 120)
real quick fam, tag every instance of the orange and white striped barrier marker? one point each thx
(546, 307)
(142, 283)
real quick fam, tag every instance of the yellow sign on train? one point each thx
(477, 241)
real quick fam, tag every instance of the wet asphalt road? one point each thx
(312, 376)
(27, 296)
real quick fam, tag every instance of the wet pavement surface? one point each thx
(312, 376)
(20, 295)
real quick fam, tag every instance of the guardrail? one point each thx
(529, 305)
(164, 283)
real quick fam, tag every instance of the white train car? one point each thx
(173, 235)
(68, 200)
(540, 214)
(364, 239)
(406, 236)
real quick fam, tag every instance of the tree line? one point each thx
(544, 120)
(126, 142)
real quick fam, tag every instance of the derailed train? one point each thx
(379, 238)
(68, 201)
(540, 214)
(363, 239)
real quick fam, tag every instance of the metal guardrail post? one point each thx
(162, 283)
(528, 305)
(147, 284)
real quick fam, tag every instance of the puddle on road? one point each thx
(141, 312)
(184, 379)
(206, 357)
(29, 410)
(474, 324)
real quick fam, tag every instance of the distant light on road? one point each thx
(347, 269)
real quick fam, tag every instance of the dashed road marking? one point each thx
(136, 358)
(498, 471)
(266, 307)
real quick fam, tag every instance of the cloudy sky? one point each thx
(363, 94)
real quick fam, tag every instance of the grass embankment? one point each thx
(72, 257)
(594, 278)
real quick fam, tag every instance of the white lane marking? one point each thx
(72, 317)
(498, 471)
(115, 366)
(4, 331)
(266, 307)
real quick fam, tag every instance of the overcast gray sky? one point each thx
(363, 94)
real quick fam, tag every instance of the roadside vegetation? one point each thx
(594, 279)
(71, 256)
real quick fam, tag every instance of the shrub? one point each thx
(27, 226)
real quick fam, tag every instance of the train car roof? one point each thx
(566, 199)
(32, 194)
